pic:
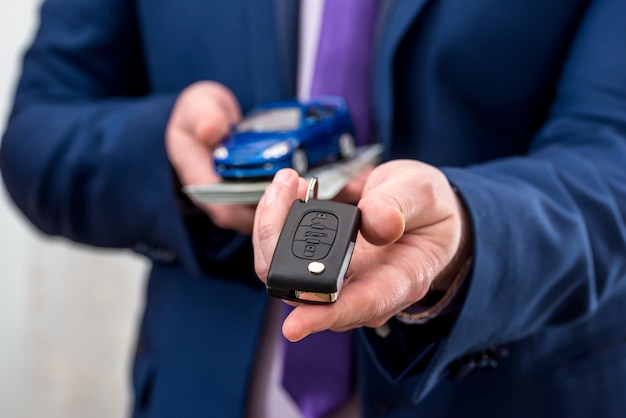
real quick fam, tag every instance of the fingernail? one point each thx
(281, 176)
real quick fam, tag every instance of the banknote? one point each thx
(332, 178)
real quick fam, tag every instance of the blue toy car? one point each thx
(287, 134)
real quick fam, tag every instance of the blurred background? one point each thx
(68, 313)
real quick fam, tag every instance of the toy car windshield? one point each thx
(272, 120)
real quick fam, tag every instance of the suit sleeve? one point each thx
(556, 253)
(83, 155)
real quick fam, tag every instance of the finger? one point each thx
(401, 196)
(365, 300)
(213, 123)
(270, 217)
(192, 160)
(203, 115)
(227, 100)
(213, 129)
(207, 111)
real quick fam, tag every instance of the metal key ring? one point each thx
(311, 191)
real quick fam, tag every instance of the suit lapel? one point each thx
(396, 17)
(271, 30)
(287, 17)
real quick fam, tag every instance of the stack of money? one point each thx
(332, 178)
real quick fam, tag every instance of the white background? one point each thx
(68, 313)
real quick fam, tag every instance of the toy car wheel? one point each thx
(299, 161)
(347, 147)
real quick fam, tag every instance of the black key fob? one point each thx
(314, 250)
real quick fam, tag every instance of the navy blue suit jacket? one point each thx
(521, 103)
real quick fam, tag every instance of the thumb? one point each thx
(382, 220)
(401, 196)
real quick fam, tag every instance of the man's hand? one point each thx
(411, 228)
(202, 117)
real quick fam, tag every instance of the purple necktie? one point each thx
(344, 58)
(317, 371)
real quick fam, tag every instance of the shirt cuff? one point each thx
(436, 302)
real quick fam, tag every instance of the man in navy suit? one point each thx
(517, 111)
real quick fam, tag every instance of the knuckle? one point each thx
(211, 129)
(377, 322)
(267, 232)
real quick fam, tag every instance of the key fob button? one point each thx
(302, 249)
(306, 233)
(320, 220)
(315, 235)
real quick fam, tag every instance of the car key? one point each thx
(314, 249)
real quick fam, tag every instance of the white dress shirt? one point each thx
(268, 398)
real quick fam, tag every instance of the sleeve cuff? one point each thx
(437, 303)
